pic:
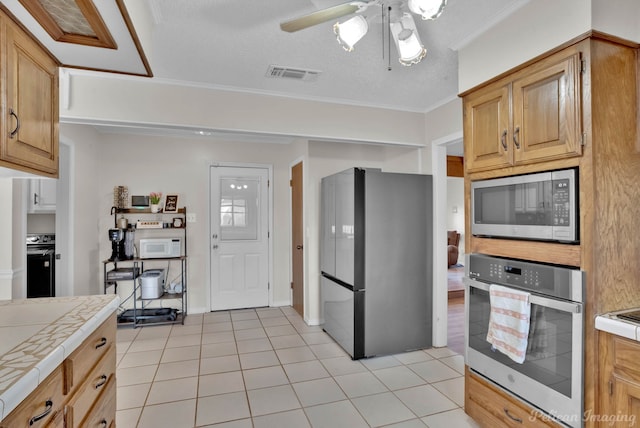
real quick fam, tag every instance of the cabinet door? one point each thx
(30, 138)
(626, 397)
(42, 195)
(486, 129)
(546, 111)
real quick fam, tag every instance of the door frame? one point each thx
(439, 172)
(269, 169)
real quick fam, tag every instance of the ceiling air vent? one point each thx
(292, 73)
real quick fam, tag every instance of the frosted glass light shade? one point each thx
(405, 35)
(428, 9)
(351, 31)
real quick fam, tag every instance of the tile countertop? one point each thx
(610, 323)
(36, 335)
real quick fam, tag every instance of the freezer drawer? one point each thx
(338, 313)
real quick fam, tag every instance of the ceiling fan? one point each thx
(396, 13)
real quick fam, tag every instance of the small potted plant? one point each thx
(154, 200)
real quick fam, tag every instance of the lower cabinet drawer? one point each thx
(103, 414)
(93, 389)
(42, 406)
(78, 365)
(490, 407)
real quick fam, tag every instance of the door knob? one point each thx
(298, 247)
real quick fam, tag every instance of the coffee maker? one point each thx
(116, 236)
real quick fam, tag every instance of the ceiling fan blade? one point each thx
(321, 16)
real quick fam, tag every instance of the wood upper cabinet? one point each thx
(486, 128)
(29, 139)
(532, 116)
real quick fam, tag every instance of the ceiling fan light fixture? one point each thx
(351, 31)
(428, 9)
(405, 35)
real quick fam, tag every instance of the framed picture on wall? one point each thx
(171, 204)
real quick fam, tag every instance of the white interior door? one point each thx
(239, 237)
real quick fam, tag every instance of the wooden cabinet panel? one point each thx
(30, 137)
(93, 387)
(626, 396)
(486, 128)
(546, 112)
(41, 406)
(78, 365)
(493, 408)
(103, 413)
(619, 379)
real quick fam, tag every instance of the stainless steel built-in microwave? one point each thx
(541, 206)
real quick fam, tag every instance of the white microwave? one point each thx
(541, 206)
(160, 248)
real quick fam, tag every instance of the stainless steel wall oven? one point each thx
(551, 376)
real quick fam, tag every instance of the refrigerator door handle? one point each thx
(337, 281)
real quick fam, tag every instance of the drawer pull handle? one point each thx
(103, 380)
(103, 342)
(103, 423)
(49, 408)
(15, 131)
(513, 418)
(503, 140)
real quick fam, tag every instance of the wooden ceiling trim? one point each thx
(101, 38)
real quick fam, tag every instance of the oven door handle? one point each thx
(560, 305)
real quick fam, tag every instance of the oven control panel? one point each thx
(557, 281)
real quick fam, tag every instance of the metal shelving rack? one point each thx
(142, 314)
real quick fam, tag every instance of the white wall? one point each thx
(135, 100)
(538, 27)
(85, 209)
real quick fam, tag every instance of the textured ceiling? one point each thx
(231, 43)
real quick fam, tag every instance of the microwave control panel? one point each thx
(561, 202)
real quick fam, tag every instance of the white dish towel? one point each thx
(509, 321)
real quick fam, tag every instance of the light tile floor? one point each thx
(266, 368)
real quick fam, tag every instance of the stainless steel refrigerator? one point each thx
(376, 261)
